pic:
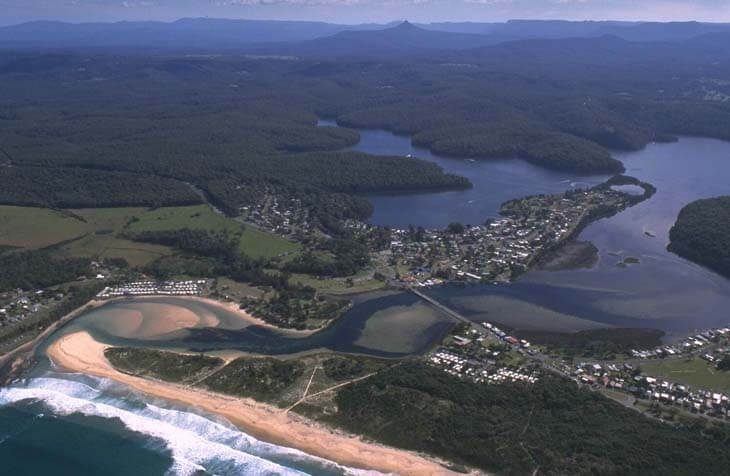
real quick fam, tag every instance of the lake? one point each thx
(662, 291)
(495, 181)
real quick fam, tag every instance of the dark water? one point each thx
(68, 424)
(495, 181)
(37, 441)
(662, 291)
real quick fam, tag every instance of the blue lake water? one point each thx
(663, 291)
(495, 181)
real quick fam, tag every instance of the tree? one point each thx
(455, 228)
(724, 364)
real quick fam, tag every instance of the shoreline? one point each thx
(79, 352)
(17, 357)
(236, 309)
(229, 306)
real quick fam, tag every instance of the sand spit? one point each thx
(248, 318)
(79, 352)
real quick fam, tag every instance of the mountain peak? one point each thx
(406, 25)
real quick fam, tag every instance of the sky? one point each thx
(364, 11)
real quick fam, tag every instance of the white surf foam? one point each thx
(195, 441)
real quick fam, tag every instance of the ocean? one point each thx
(70, 424)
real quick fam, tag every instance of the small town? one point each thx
(627, 378)
(707, 352)
(697, 343)
(18, 305)
(489, 355)
(486, 355)
(285, 216)
(501, 249)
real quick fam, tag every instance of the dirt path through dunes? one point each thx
(79, 352)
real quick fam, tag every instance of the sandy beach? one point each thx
(248, 318)
(176, 318)
(79, 352)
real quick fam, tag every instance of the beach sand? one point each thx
(248, 318)
(79, 352)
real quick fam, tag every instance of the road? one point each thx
(440, 306)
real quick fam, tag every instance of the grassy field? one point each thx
(235, 291)
(92, 232)
(338, 286)
(694, 372)
(37, 227)
(109, 246)
(254, 243)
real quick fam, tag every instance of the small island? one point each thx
(702, 234)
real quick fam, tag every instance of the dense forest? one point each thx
(262, 379)
(61, 187)
(38, 269)
(129, 129)
(220, 245)
(702, 233)
(512, 429)
(161, 365)
(345, 258)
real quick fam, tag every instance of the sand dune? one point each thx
(79, 352)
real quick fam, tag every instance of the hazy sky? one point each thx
(360, 11)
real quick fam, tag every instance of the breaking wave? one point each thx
(198, 443)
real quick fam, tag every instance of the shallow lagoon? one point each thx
(380, 324)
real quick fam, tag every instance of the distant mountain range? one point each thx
(404, 38)
(186, 33)
(319, 38)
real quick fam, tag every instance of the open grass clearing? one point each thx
(93, 231)
(694, 372)
(29, 227)
(361, 283)
(255, 243)
(108, 246)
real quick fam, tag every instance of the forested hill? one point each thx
(108, 131)
(702, 233)
(508, 429)
(242, 126)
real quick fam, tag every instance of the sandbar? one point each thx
(248, 318)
